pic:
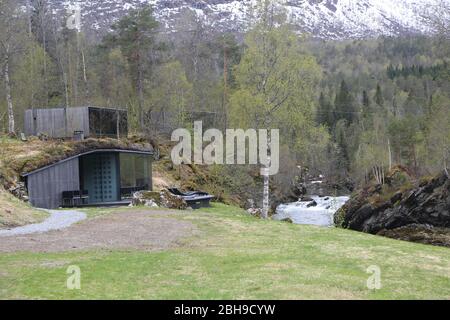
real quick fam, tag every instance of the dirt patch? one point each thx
(146, 230)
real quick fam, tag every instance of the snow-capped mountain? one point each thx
(331, 19)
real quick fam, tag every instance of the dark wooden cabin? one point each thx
(99, 177)
(75, 121)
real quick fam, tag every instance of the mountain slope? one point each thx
(328, 19)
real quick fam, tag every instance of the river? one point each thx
(303, 212)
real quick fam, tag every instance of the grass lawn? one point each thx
(233, 256)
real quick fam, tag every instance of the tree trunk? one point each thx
(445, 164)
(118, 123)
(390, 154)
(44, 46)
(86, 86)
(11, 124)
(265, 208)
(141, 101)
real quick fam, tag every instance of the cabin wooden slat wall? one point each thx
(63, 123)
(45, 187)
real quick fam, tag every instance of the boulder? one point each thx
(171, 201)
(299, 190)
(20, 191)
(250, 204)
(312, 204)
(256, 212)
(287, 220)
(163, 199)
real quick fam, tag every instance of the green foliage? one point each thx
(276, 84)
(438, 134)
(273, 78)
(134, 34)
(172, 93)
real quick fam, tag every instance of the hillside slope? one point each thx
(15, 213)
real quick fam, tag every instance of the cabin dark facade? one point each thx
(99, 177)
(76, 121)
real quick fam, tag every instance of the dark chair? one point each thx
(84, 197)
(68, 198)
(75, 198)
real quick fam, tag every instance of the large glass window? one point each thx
(135, 172)
(103, 122)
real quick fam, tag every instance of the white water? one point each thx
(320, 215)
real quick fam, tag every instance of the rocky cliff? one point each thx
(417, 212)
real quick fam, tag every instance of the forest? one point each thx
(348, 109)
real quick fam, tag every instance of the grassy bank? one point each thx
(234, 256)
(15, 213)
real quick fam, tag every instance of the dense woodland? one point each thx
(345, 108)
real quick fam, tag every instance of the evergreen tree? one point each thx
(344, 104)
(366, 100)
(378, 98)
(135, 35)
(325, 113)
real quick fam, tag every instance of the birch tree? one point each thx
(275, 82)
(13, 28)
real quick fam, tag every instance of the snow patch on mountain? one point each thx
(330, 19)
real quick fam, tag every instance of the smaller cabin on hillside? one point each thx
(95, 178)
(76, 121)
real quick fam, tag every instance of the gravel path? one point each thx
(57, 221)
(145, 230)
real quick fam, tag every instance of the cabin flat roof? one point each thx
(148, 153)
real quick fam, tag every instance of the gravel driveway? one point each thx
(146, 230)
(58, 220)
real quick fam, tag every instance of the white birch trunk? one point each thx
(11, 123)
(86, 86)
